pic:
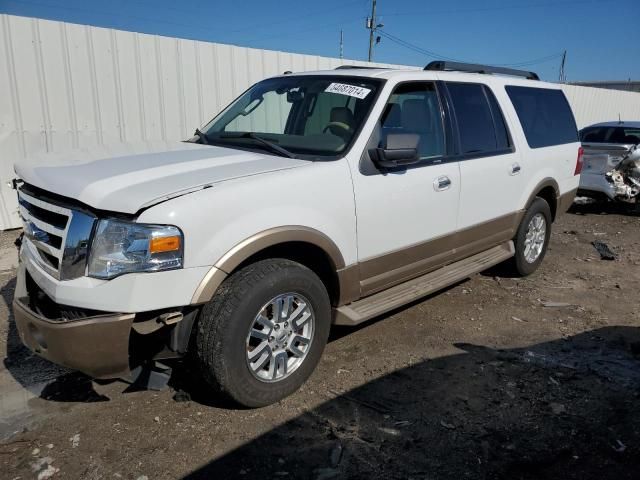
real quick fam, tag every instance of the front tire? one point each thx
(532, 238)
(263, 333)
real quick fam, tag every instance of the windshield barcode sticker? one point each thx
(350, 90)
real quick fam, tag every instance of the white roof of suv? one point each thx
(418, 74)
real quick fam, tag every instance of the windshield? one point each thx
(296, 115)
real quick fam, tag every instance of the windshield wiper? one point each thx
(272, 146)
(203, 136)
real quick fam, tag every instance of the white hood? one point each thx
(127, 177)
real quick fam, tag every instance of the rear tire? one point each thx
(275, 309)
(532, 239)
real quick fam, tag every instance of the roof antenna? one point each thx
(619, 119)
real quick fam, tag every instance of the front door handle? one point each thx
(441, 183)
(515, 168)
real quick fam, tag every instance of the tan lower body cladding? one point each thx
(382, 272)
(379, 273)
(387, 270)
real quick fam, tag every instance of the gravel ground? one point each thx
(496, 377)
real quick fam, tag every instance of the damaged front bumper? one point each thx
(97, 345)
(103, 345)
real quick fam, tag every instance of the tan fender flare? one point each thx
(258, 242)
(546, 182)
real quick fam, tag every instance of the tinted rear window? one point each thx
(595, 135)
(545, 116)
(624, 135)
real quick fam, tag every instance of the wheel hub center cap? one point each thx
(282, 336)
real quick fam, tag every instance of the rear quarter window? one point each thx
(545, 116)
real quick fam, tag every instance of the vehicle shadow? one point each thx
(30, 371)
(190, 387)
(561, 409)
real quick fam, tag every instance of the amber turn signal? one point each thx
(164, 244)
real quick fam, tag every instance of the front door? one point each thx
(406, 217)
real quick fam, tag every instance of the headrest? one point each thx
(415, 115)
(342, 115)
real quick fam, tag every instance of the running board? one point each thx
(394, 297)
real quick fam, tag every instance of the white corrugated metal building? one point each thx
(66, 86)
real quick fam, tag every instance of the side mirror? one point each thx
(401, 149)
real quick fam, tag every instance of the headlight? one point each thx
(123, 247)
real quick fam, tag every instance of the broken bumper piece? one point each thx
(96, 345)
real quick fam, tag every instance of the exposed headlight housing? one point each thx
(120, 247)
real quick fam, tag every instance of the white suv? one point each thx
(314, 198)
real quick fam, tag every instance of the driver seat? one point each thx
(342, 115)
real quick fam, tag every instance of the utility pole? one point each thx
(372, 26)
(341, 44)
(562, 78)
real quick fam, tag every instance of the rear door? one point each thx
(548, 139)
(492, 171)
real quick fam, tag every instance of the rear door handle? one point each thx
(441, 183)
(515, 168)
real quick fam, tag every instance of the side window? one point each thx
(545, 116)
(415, 108)
(475, 121)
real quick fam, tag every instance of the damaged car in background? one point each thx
(611, 162)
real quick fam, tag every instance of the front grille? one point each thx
(58, 236)
(40, 303)
(56, 219)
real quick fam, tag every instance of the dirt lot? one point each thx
(496, 377)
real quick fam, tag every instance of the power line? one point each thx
(439, 56)
(497, 8)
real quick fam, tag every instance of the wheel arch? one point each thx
(305, 245)
(549, 191)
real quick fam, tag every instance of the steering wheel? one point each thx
(338, 128)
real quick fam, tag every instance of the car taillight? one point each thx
(579, 161)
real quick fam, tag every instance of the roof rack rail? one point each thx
(475, 68)
(346, 67)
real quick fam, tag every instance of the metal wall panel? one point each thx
(72, 86)
(592, 105)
